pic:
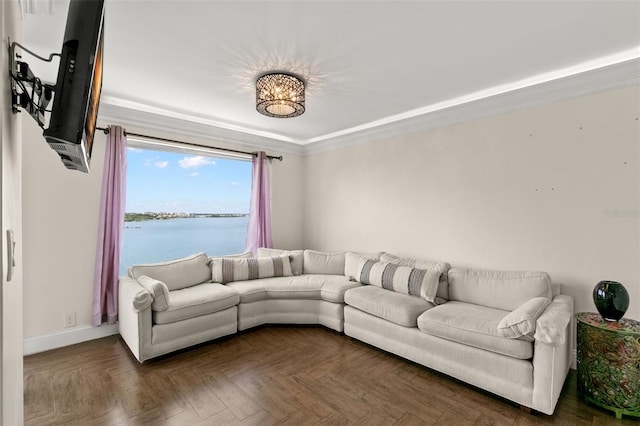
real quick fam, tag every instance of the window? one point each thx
(183, 202)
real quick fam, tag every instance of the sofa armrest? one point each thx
(551, 326)
(552, 353)
(134, 323)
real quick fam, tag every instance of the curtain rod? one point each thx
(254, 154)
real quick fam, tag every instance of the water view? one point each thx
(157, 240)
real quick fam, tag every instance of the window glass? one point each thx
(181, 203)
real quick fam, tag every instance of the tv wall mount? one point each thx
(28, 91)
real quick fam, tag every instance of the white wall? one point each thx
(60, 226)
(553, 188)
(11, 376)
(60, 214)
(287, 216)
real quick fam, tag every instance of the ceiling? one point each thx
(366, 64)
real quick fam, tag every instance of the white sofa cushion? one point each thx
(473, 325)
(522, 321)
(292, 287)
(401, 279)
(505, 290)
(443, 285)
(194, 301)
(296, 257)
(225, 270)
(249, 291)
(158, 290)
(326, 287)
(323, 263)
(334, 287)
(300, 287)
(178, 273)
(398, 308)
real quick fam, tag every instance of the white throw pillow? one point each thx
(159, 292)
(228, 269)
(351, 261)
(443, 283)
(401, 279)
(522, 321)
(296, 257)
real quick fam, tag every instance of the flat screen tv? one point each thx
(79, 83)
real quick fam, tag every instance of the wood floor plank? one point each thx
(39, 393)
(337, 399)
(269, 375)
(296, 419)
(267, 393)
(306, 400)
(232, 396)
(376, 419)
(382, 406)
(196, 391)
(410, 419)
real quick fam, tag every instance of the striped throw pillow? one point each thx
(401, 279)
(228, 269)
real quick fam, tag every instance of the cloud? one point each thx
(194, 174)
(195, 162)
(134, 149)
(234, 183)
(162, 164)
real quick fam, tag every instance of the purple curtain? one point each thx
(110, 229)
(259, 231)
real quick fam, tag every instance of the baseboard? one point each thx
(34, 345)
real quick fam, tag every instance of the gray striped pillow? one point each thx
(227, 269)
(401, 279)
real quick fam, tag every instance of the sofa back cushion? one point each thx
(324, 263)
(400, 279)
(443, 284)
(296, 257)
(245, 254)
(225, 269)
(178, 273)
(505, 290)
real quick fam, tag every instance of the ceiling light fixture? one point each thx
(280, 95)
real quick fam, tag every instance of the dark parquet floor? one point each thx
(265, 376)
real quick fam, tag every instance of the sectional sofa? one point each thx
(509, 333)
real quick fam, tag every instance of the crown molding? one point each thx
(123, 113)
(526, 94)
(616, 76)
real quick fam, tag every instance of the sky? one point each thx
(159, 181)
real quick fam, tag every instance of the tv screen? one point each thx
(77, 91)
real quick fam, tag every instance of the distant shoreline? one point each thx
(141, 217)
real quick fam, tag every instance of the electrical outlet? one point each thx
(70, 319)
